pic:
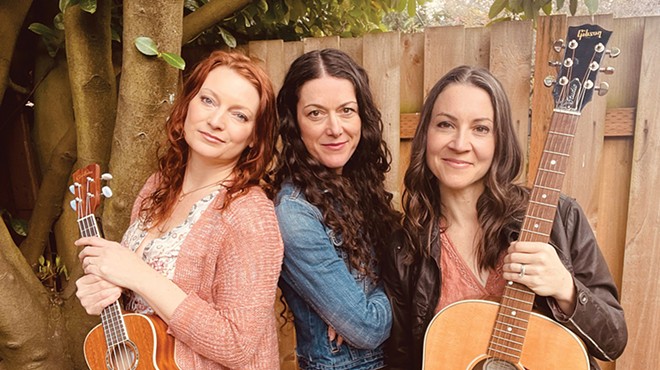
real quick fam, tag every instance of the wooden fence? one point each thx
(614, 172)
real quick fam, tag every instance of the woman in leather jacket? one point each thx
(463, 212)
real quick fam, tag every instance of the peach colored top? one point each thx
(228, 264)
(458, 280)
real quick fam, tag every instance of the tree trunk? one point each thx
(12, 15)
(146, 92)
(92, 77)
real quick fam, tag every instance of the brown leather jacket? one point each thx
(414, 291)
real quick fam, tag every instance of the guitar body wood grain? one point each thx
(458, 338)
(153, 346)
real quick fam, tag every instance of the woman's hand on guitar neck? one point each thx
(95, 293)
(543, 272)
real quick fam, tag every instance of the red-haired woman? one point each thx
(203, 250)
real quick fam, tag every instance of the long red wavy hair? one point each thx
(253, 163)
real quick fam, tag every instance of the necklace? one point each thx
(186, 193)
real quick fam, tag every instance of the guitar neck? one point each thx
(510, 328)
(112, 319)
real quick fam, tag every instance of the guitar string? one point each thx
(120, 353)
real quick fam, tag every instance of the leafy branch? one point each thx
(147, 46)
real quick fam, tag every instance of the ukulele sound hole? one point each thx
(122, 356)
(494, 364)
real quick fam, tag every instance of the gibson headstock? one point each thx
(581, 63)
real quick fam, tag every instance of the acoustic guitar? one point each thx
(122, 341)
(478, 334)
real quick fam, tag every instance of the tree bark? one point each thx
(208, 15)
(12, 16)
(92, 78)
(147, 89)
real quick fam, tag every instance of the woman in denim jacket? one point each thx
(334, 212)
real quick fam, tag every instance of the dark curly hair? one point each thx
(501, 206)
(253, 163)
(354, 203)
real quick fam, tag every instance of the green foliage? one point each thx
(529, 9)
(297, 19)
(19, 226)
(48, 272)
(147, 46)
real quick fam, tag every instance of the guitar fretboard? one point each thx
(112, 319)
(508, 335)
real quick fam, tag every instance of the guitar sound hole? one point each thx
(494, 364)
(122, 356)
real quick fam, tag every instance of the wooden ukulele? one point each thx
(477, 334)
(122, 341)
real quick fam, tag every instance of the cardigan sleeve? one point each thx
(227, 314)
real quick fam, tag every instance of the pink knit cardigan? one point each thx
(228, 265)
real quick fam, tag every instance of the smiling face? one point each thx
(330, 125)
(461, 138)
(220, 121)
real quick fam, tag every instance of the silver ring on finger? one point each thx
(521, 274)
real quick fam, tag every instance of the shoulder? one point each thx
(291, 201)
(251, 201)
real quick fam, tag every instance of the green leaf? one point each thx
(229, 39)
(19, 226)
(573, 6)
(263, 5)
(88, 5)
(174, 60)
(412, 8)
(592, 5)
(516, 6)
(528, 6)
(42, 30)
(547, 8)
(58, 21)
(115, 35)
(496, 8)
(560, 4)
(146, 45)
(42, 260)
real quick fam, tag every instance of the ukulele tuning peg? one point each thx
(72, 189)
(554, 63)
(549, 81)
(73, 203)
(613, 53)
(558, 45)
(107, 192)
(607, 70)
(106, 176)
(603, 88)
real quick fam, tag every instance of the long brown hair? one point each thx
(502, 204)
(253, 162)
(354, 204)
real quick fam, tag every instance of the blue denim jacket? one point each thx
(321, 290)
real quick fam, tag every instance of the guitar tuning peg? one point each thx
(614, 52)
(607, 70)
(554, 63)
(549, 81)
(72, 189)
(603, 88)
(106, 176)
(558, 45)
(73, 204)
(107, 192)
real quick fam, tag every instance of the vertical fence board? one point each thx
(412, 88)
(511, 45)
(641, 291)
(582, 172)
(477, 46)
(382, 57)
(271, 56)
(292, 50)
(444, 49)
(316, 43)
(548, 30)
(352, 47)
(614, 175)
